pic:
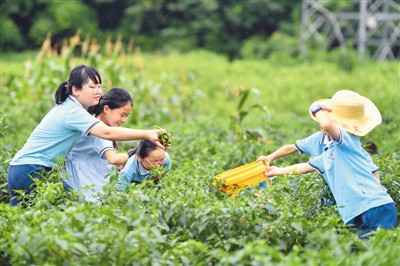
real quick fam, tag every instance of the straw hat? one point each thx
(354, 113)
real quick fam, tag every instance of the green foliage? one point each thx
(345, 59)
(279, 47)
(165, 137)
(63, 19)
(184, 219)
(157, 173)
(40, 28)
(242, 110)
(11, 37)
(163, 24)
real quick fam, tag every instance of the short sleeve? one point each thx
(374, 168)
(79, 119)
(309, 145)
(126, 175)
(348, 141)
(317, 163)
(103, 145)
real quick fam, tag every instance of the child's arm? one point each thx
(300, 168)
(377, 176)
(119, 133)
(281, 152)
(126, 174)
(116, 158)
(324, 122)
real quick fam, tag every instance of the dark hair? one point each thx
(78, 77)
(114, 98)
(145, 147)
(371, 147)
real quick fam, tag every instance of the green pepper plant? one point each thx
(165, 138)
(157, 173)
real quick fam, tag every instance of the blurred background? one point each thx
(236, 28)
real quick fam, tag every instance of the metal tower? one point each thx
(374, 29)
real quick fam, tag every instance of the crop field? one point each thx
(221, 115)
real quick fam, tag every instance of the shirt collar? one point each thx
(326, 139)
(72, 98)
(141, 169)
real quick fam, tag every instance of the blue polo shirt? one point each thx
(56, 134)
(346, 169)
(134, 171)
(314, 145)
(87, 166)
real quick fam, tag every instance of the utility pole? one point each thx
(372, 27)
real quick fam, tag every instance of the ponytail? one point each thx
(61, 93)
(133, 151)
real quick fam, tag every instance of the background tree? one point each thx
(220, 26)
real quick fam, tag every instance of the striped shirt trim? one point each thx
(316, 168)
(298, 148)
(90, 128)
(106, 149)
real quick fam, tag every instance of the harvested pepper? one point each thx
(165, 138)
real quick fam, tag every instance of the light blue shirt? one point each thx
(87, 166)
(56, 134)
(314, 145)
(134, 171)
(346, 169)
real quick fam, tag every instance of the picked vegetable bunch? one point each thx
(157, 173)
(165, 138)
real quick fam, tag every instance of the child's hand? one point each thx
(326, 109)
(316, 108)
(166, 138)
(153, 133)
(158, 142)
(271, 171)
(266, 159)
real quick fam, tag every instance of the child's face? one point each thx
(116, 117)
(155, 158)
(89, 95)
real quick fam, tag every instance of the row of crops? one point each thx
(222, 114)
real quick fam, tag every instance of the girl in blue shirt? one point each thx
(92, 159)
(62, 128)
(362, 202)
(147, 155)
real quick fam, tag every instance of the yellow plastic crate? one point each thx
(240, 178)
